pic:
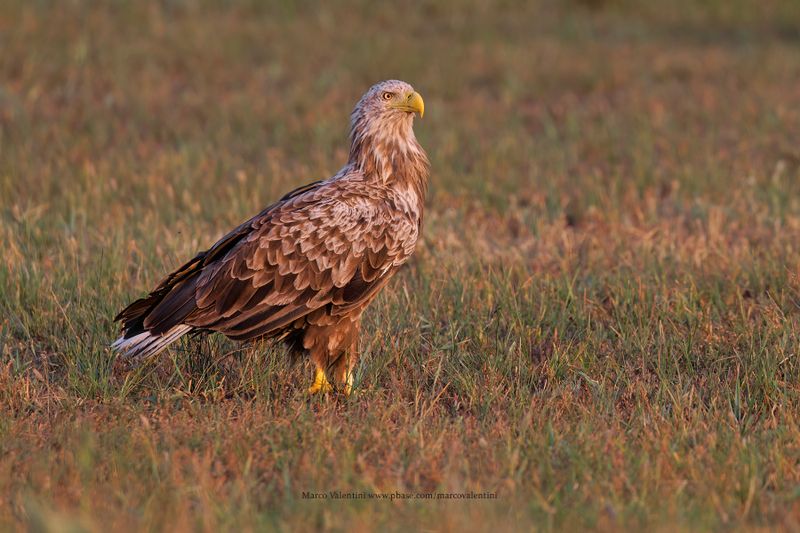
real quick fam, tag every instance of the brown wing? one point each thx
(170, 302)
(329, 248)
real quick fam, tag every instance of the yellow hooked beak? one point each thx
(412, 103)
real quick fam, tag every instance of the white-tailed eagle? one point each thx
(305, 268)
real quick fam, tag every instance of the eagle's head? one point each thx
(383, 118)
(389, 101)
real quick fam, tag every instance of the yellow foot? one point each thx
(321, 384)
(348, 383)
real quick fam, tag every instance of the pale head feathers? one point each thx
(382, 135)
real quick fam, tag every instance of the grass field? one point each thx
(601, 327)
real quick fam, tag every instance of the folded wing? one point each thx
(321, 252)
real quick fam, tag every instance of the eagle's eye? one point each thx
(387, 96)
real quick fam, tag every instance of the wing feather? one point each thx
(322, 251)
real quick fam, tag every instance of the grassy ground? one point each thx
(601, 328)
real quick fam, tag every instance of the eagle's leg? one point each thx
(334, 350)
(321, 383)
(345, 361)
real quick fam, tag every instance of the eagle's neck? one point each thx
(391, 155)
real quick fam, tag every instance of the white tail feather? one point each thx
(146, 344)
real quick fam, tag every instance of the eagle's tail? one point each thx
(145, 344)
(152, 323)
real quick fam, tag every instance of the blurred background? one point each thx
(562, 105)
